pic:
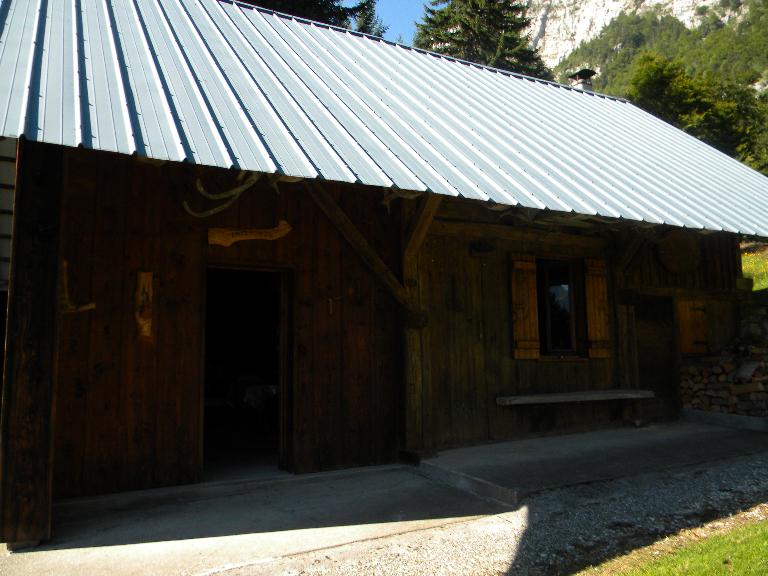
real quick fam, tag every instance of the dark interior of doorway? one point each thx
(243, 372)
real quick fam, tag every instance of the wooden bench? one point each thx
(582, 396)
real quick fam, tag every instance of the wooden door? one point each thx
(656, 351)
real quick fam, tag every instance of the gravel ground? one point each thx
(555, 532)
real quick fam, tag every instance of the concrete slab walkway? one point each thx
(254, 526)
(205, 529)
(508, 469)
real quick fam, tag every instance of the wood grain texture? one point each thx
(228, 236)
(27, 417)
(581, 396)
(368, 255)
(719, 269)
(691, 321)
(525, 312)
(345, 355)
(347, 392)
(417, 372)
(597, 308)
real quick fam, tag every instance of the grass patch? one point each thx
(733, 545)
(755, 266)
(743, 551)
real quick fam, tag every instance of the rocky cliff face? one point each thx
(559, 26)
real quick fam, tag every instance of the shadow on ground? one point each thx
(588, 497)
(376, 496)
(674, 477)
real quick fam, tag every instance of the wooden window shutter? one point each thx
(598, 313)
(525, 314)
(692, 325)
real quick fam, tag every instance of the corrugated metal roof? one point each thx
(222, 84)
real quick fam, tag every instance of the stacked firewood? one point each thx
(734, 382)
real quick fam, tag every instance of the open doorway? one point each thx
(245, 392)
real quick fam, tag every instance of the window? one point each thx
(560, 306)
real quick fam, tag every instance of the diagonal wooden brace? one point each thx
(365, 251)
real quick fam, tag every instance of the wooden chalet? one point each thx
(239, 238)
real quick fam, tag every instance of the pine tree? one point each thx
(490, 32)
(329, 11)
(367, 21)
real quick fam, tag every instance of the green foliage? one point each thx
(723, 114)
(755, 266)
(332, 12)
(491, 32)
(699, 79)
(367, 21)
(361, 16)
(617, 46)
(736, 51)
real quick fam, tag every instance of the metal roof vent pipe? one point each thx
(582, 80)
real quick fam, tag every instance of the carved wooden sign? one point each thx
(228, 236)
(144, 297)
(67, 305)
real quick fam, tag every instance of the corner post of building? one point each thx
(416, 335)
(29, 390)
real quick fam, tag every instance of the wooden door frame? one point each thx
(287, 354)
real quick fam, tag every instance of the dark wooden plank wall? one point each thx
(26, 431)
(720, 265)
(131, 407)
(472, 358)
(466, 282)
(712, 283)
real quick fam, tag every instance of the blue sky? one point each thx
(400, 16)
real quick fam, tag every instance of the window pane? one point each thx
(560, 320)
(560, 315)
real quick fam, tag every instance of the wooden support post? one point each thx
(417, 345)
(364, 250)
(27, 416)
(420, 227)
